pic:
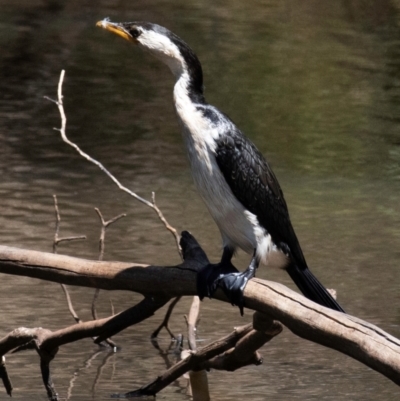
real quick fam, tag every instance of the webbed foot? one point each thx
(208, 278)
(233, 285)
(227, 277)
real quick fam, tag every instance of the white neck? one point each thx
(166, 51)
(185, 107)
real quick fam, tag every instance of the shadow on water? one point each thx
(316, 85)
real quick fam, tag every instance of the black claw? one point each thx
(233, 285)
(208, 278)
(227, 277)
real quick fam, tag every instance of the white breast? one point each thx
(239, 227)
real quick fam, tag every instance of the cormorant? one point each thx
(231, 175)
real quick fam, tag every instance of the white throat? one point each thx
(164, 49)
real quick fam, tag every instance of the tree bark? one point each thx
(352, 336)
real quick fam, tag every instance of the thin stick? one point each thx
(191, 362)
(104, 225)
(191, 322)
(69, 303)
(57, 240)
(64, 137)
(198, 380)
(4, 376)
(165, 321)
(152, 204)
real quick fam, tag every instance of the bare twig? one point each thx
(198, 380)
(152, 204)
(191, 321)
(58, 240)
(94, 302)
(62, 130)
(69, 303)
(104, 224)
(164, 323)
(171, 229)
(107, 342)
(191, 362)
(48, 341)
(4, 376)
(245, 351)
(232, 352)
(45, 359)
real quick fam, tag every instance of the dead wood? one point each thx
(359, 339)
(231, 352)
(192, 362)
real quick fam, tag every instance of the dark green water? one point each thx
(315, 84)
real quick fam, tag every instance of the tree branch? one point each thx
(191, 362)
(359, 339)
(152, 205)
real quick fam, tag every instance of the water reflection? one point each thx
(314, 84)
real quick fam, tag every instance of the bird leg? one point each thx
(233, 284)
(208, 276)
(227, 277)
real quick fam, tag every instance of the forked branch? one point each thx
(151, 204)
(357, 338)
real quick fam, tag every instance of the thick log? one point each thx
(144, 279)
(352, 336)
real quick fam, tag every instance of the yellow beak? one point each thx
(116, 28)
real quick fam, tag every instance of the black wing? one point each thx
(254, 184)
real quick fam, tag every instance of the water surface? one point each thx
(315, 85)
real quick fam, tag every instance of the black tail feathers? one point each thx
(312, 288)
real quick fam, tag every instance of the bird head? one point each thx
(164, 45)
(155, 39)
(140, 33)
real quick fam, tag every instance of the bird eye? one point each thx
(135, 32)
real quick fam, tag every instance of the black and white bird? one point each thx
(233, 178)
